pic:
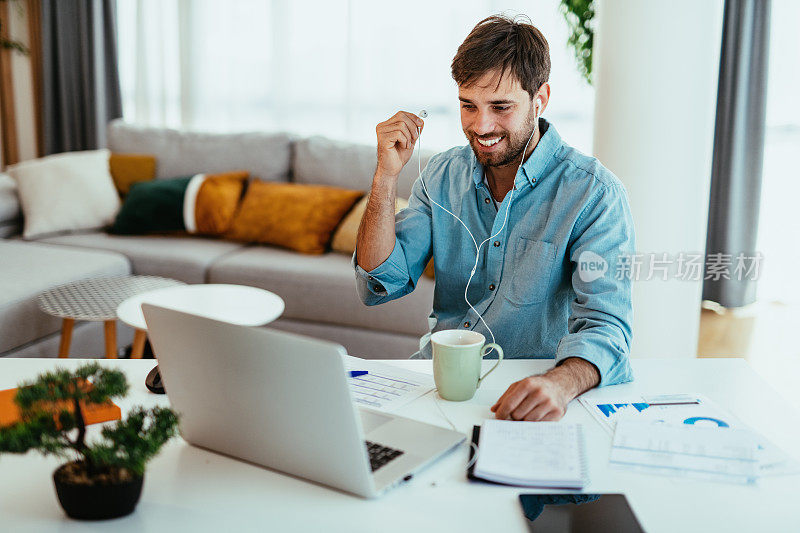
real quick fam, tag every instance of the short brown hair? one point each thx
(510, 45)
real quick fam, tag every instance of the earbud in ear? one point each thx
(423, 114)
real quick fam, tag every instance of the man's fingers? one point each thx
(503, 397)
(403, 127)
(416, 122)
(543, 408)
(510, 403)
(530, 402)
(410, 131)
(403, 140)
(391, 138)
(553, 416)
(411, 121)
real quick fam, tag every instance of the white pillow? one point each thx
(66, 192)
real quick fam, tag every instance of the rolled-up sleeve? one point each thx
(599, 326)
(399, 273)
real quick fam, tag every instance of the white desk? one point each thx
(189, 489)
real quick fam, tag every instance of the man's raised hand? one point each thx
(396, 139)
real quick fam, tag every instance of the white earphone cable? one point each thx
(477, 255)
(474, 241)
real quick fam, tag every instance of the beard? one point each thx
(515, 144)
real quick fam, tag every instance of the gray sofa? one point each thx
(319, 291)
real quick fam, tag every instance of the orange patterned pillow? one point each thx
(216, 202)
(296, 216)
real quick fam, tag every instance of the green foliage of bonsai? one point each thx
(579, 15)
(128, 444)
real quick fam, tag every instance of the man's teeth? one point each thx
(489, 142)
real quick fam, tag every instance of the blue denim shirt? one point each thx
(546, 285)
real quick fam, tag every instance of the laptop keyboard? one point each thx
(379, 455)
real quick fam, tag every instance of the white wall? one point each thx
(656, 66)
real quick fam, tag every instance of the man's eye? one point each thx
(467, 106)
(502, 107)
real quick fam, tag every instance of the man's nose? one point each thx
(484, 123)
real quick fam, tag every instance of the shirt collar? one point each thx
(535, 166)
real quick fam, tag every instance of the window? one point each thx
(334, 68)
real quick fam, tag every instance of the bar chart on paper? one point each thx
(385, 387)
(703, 412)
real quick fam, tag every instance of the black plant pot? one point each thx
(97, 502)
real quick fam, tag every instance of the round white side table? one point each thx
(237, 304)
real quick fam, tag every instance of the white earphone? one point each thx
(423, 114)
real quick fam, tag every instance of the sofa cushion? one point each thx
(181, 153)
(295, 216)
(322, 161)
(10, 211)
(344, 240)
(10, 229)
(127, 169)
(322, 288)
(184, 258)
(66, 192)
(21, 321)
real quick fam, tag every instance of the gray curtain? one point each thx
(738, 149)
(80, 80)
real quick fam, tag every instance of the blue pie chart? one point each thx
(695, 419)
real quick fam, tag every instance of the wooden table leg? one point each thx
(139, 339)
(66, 337)
(111, 339)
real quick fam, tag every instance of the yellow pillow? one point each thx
(127, 169)
(344, 240)
(296, 216)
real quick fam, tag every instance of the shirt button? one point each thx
(486, 200)
(496, 244)
(466, 324)
(533, 180)
(491, 287)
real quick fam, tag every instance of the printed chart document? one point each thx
(531, 454)
(688, 409)
(703, 412)
(706, 453)
(385, 387)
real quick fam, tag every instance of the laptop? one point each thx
(283, 401)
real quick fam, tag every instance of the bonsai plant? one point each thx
(104, 478)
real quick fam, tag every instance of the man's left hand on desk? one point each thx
(545, 397)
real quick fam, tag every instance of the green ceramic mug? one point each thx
(457, 356)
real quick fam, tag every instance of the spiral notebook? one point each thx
(530, 454)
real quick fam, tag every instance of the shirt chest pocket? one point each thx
(530, 270)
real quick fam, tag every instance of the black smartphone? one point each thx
(576, 513)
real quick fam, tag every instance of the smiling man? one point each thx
(558, 220)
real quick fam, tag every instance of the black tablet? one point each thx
(576, 513)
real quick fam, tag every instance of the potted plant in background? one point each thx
(104, 478)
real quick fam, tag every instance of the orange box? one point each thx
(92, 413)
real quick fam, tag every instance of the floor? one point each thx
(764, 333)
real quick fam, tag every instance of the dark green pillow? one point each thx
(152, 207)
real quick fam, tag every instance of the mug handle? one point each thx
(484, 351)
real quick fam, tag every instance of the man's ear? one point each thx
(542, 98)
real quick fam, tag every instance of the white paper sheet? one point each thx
(385, 387)
(729, 455)
(706, 413)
